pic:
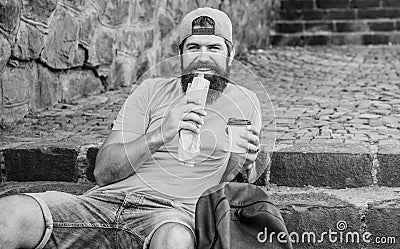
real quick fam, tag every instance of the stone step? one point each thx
(341, 14)
(335, 38)
(339, 26)
(366, 217)
(13, 188)
(330, 165)
(359, 5)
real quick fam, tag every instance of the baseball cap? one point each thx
(222, 24)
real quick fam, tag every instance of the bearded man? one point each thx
(145, 196)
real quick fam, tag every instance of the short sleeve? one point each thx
(134, 114)
(255, 113)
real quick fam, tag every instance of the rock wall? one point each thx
(56, 50)
(337, 22)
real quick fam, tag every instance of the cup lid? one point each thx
(236, 121)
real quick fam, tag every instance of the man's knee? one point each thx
(21, 222)
(172, 235)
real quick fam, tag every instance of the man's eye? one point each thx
(192, 48)
(215, 48)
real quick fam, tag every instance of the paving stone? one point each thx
(375, 122)
(369, 116)
(332, 165)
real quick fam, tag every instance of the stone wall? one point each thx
(337, 22)
(56, 50)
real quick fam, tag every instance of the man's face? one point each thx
(207, 54)
(204, 53)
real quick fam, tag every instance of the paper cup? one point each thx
(235, 128)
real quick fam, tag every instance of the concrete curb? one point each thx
(332, 165)
(319, 165)
(12, 188)
(355, 218)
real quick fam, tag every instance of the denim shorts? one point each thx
(106, 220)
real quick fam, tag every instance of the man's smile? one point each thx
(203, 70)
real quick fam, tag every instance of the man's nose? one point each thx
(203, 55)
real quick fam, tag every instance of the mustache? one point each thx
(195, 65)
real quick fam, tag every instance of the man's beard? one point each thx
(218, 80)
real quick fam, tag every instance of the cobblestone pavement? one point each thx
(347, 94)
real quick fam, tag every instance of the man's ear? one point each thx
(231, 56)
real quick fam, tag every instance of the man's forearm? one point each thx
(117, 161)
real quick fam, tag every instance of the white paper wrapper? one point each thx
(189, 142)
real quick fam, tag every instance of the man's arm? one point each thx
(124, 152)
(118, 158)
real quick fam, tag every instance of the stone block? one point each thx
(249, 34)
(319, 26)
(78, 5)
(78, 83)
(311, 216)
(44, 163)
(165, 24)
(333, 165)
(390, 3)
(123, 71)
(29, 42)
(38, 10)
(352, 26)
(61, 49)
(91, 158)
(9, 15)
(376, 39)
(5, 52)
(378, 13)
(333, 4)
(133, 42)
(18, 85)
(383, 223)
(144, 11)
(389, 165)
(364, 4)
(116, 12)
(286, 40)
(48, 88)
(289, 27)
(302, 14)
(101, 48)
(88, 24)
(382, 26)
(316, 40)
(298, 4)
(342, 14)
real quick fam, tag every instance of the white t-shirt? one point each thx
(163, 174)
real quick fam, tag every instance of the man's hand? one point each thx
(186, 114)
(252, 146)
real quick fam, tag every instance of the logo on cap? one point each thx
(204, 30)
